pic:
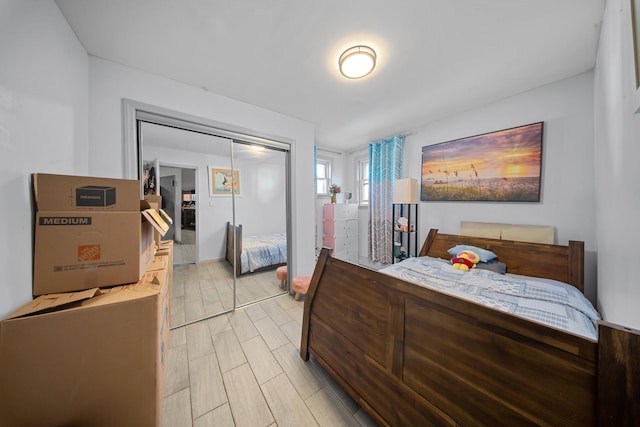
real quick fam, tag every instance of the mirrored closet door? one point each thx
(260, 212)
(230, 201)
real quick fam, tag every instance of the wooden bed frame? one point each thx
(235, 260)
(413, 356)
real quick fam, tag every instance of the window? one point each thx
(323, 176)
(363, 181)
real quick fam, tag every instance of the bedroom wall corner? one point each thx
(43, 126)
(617, 176)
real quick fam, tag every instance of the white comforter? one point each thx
(263, 251)
(547, 301)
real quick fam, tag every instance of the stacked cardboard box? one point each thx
(89, 350)
(89, 232)
(93, 357)
(166, 249)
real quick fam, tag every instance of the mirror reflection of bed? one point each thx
(207, 286)
(203, 281)
(254, 253)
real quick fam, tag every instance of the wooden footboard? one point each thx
(232, 254)
(412, 356)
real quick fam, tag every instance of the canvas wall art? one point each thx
(501, 166)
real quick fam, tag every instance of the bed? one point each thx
(255, 253)
(411, 355)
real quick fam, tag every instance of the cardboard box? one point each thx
(161, 221)
(165, 249)
(95, 249)
(84, 193)
(155, 201)
(90, 358)
(78, 246)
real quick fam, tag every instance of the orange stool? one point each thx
(281, 274)
(300, 285)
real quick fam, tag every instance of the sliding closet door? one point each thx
(260, 207)
(203, 282)
(240, 194)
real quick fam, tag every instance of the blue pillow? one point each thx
(493, 265)
(484, 254)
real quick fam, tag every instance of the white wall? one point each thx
(43, 126)
(617, 153)
(110, 83)
(260, 208)
(567, 198)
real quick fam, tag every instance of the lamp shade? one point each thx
(405, 191)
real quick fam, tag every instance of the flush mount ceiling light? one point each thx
(357, 62)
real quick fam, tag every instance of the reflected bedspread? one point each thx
(263, 251)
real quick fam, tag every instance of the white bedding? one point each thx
(547, 301)
(263, 251)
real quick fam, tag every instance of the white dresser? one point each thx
(340, 230)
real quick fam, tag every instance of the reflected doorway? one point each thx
(179, 197)
(167, 192)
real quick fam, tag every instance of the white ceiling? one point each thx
(435, 57)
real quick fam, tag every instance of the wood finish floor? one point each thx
(205, 289)
(184, 252)
(243, 368)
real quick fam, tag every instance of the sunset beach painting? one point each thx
(502, 166)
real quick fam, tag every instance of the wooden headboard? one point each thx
(515, 232)
(558, 262)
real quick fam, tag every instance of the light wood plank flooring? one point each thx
(184, 252)
(244, 369)
(205, 289)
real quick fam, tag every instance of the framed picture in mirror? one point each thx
(223, 180)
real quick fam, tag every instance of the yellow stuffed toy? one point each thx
(465, 260)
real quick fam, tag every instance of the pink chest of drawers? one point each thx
(340, 230)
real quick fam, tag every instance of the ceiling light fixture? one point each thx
(357, 62)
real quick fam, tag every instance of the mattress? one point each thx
(546, 301)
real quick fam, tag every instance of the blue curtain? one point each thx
(385, 166)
